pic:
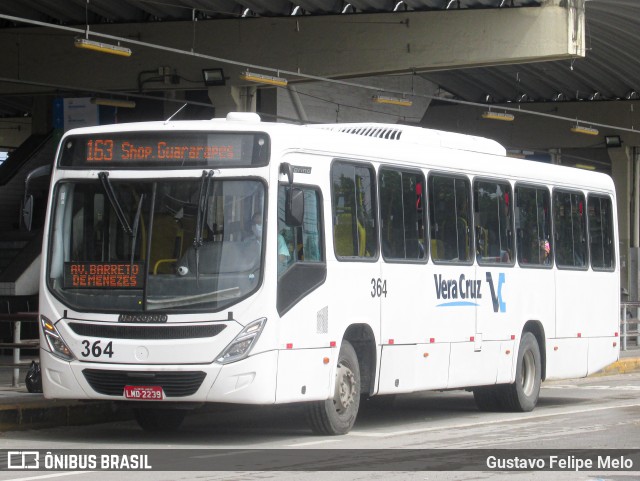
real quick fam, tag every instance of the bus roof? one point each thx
(496, 163)
(418, 136)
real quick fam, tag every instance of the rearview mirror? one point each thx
(27, 212)
(294, 210)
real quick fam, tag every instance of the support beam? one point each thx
(330, 46)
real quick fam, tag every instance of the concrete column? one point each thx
(232, 98)
(622, 172)
(42, 114)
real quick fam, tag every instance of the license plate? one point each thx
(144, 393)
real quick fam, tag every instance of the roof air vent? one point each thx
(243, 117)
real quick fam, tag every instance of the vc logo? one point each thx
(23, 460)
(498, 303)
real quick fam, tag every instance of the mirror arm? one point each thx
(286, 168)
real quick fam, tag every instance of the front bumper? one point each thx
(249, 381)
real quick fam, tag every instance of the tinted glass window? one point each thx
(493, 222)
(301, 243)
(402, 215)
(570, 227)
(450, 218)
(533, 226)
(354, 225)
(601, 232)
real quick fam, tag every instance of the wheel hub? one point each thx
(346, 390)
(528, 373)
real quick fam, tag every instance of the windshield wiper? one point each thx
(136, 222)
(111, 195)
(201, 216)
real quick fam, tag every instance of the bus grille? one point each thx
(174, 384)
(118, 331)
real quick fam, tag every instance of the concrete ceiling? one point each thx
(119, 11)
(611, 69)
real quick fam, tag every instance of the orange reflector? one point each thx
(615, 344)
(579, 334)
(390, 341)
(325, 360)
(507, 352)
(426, 354)
(289, 346)
(555, 348)
(472, 339)
(432, 340)
(332, 344)
(616, 334)
(513, 336)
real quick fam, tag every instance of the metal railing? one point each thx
(629, 323)
(18, 343)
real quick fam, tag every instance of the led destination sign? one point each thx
(166, 149)
(103, 275)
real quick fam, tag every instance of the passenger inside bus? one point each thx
(284, 256)
(545, 250)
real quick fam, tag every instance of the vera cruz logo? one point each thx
(498, 303)
(463, 292)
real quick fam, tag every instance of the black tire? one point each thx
(522, 395)
(157, 420)
(338, 414)
(489, 398)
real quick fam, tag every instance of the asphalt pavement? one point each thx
(20, 409)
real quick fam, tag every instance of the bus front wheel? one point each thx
(338, 414)
(522, 395)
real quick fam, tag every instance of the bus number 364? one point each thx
(378, 287)
(96, 350)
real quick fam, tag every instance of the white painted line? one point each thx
(47, 476)
(482, 423)
(312, 443)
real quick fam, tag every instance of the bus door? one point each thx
(405, 279)
(574, 316)
(453, 285)
(352, 278)
(490, 289)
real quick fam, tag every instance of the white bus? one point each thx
(238, 261)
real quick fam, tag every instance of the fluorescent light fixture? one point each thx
(498, 116)
(579, 129)
(102, 47)
(612, 141)
(213, 76)
(383, 99)
(127, 104)
(264, 79)
(585, 167)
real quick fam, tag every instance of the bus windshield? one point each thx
(143, 245)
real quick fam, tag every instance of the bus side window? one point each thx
(569, 222)
(354, 214)
(299, 243)
(533, 226)
(601, 232)
(450, 218)
(402, 215)
(494, 242)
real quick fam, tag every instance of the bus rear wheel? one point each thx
(338, 414)
(522, 395)
(159, 420)
(489, 398)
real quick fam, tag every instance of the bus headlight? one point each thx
(241, 345)
(57, 346)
